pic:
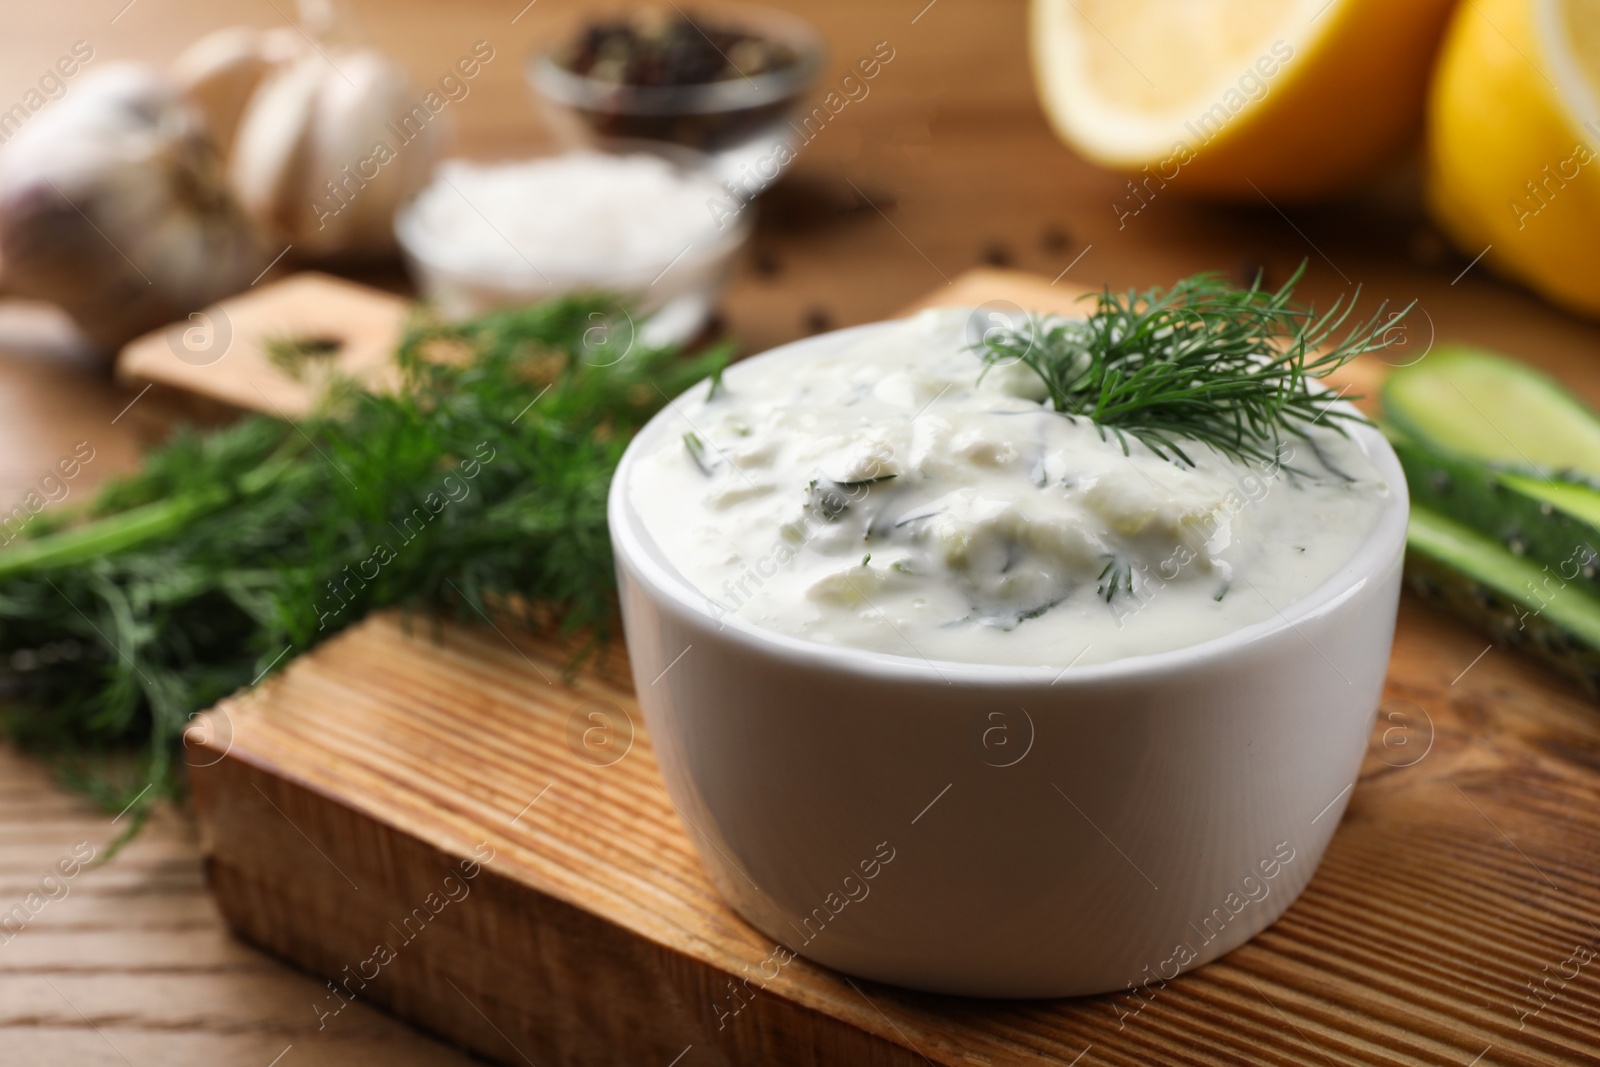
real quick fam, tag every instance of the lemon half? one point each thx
(1294, 98)
(1514, 142)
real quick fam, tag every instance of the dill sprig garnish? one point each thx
(478, 485)
(1203, 361)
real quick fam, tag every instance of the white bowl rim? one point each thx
(636, 550)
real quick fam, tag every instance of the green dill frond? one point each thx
(1203, 361)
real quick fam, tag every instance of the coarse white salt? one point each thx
(584, 217)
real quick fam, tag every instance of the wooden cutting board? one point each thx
(219, 361)
(440, 822)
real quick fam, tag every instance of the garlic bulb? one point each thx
(113, 205)
(324, 153)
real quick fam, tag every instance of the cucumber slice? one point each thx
(1477, 405)
(1520, 603)
(1579, 501)
(1503, 466)
(1552, 524)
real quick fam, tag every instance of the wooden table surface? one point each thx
(946, 164)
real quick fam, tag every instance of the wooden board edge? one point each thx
(322, 886)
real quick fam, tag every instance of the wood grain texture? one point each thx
(131, 963)
(358, 780)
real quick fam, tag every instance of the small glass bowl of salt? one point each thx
(651, 228)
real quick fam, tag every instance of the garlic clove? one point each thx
(282, 44)
(222, 70)
(329, 147)
(361, 167)
(269, 152)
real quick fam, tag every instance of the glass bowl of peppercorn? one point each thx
(724, 80)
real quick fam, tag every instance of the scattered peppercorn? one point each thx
(997, 254)
(818, 320)
(1054, 239)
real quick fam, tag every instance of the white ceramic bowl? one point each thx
(1007, 831)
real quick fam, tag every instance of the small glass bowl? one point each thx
(675, 298)
(740, 123)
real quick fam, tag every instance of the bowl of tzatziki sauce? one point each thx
(955, 692)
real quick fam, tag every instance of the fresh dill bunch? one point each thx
(1203, 361)
(478, 486)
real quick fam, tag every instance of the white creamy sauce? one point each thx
(885, 494)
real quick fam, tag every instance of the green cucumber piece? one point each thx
(1551, 524)
(1477, 405)
(1579, 501)
(1520, 603)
